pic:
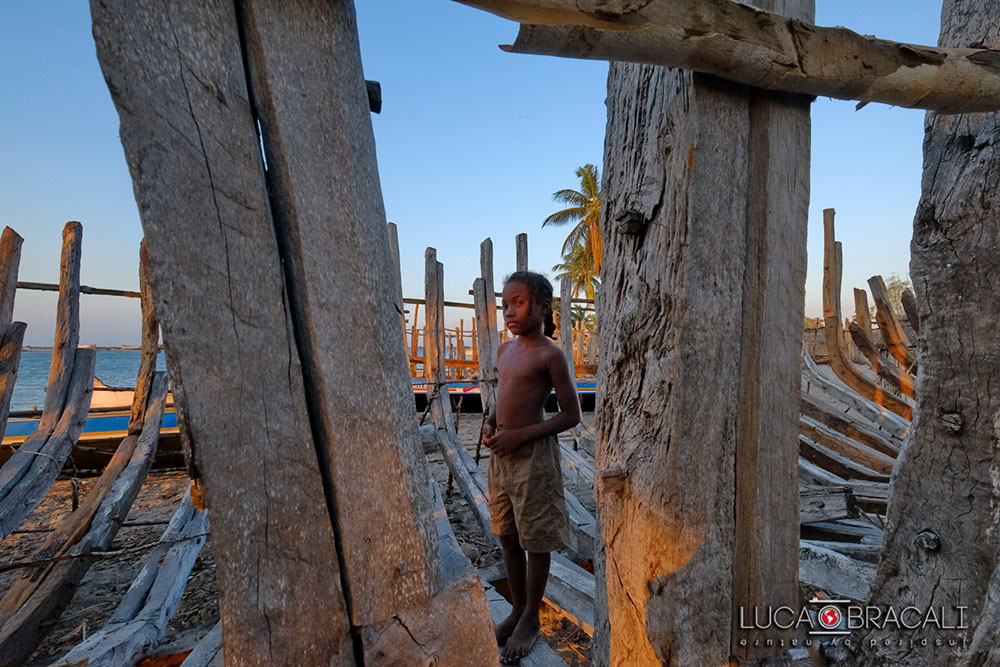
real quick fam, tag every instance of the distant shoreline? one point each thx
(34, 348)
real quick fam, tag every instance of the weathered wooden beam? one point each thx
(835, 343)
(888, 326)
(84, 289)
(11, 343)
(729, 166)
(763, 49)
(909, 302)
(150, 345)
(67, 333)
(855, 451)
(28, 474)
(880, 417)
(486, 326)
(575, 466)
(219, 295)
(10, 260)
(895, 377)
(826, 504)
(521, 254)
(141, 618)
(39, 595)
(208, 651)
(862, 314)
(835, 462)
(834, 573)
(847, 424)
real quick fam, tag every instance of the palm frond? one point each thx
(565, 215)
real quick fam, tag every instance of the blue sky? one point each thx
(471, 141)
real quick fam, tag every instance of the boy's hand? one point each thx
(488, 431)
(504, 442)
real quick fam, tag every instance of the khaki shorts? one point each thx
(526, 496)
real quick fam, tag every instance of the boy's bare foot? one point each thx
(505, 628)
(521, 640)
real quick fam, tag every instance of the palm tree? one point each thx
(578, 266)
(585, 210)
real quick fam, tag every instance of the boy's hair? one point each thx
(539, 288)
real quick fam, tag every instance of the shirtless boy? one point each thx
(527, 506)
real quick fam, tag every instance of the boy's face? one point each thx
(520, 312)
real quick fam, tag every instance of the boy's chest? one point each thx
(515, 367)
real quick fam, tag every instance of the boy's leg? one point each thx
(513, 562)
(526, 631)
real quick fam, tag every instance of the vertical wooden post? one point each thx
(393, 236)
(67, 335)
(566, 322)
(862, 314)
(733, 155)
(150, 346)
(486, 316)
(521, 244)
(11, 333)
(288, 442)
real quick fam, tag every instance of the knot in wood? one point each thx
(951, 421)
(928, 541)
(631, 222)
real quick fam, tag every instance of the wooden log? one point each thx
(67, 333)
(889, 327)
(866, 553)
(339, 269)
(896, 378)
(862, 314)
(141, 619)
(834, 573)
(870, 458)
(11, 342)
(521, 247)
(880, 417)
(847, 425)
(10, 260)
(835, 344)
(909, 302)
(665, 308)
(835, 462)
(811, 474)
(150, 345)
(38, 597)
(219, 295)
(826, 504)
(208, 651)
(488, 324)
(762, 49)
(464, 470)
(84, 289)
(28, 474)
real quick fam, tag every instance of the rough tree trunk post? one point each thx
(489, 338)
(706, 197)
(264, 290)
(11, 333)
(521, 246)
(942, 545)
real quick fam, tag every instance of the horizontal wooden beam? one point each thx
(84, 289)
(740, 43)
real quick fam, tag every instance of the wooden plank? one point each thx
(150, 345)
(10, 357)
(740, 43)
(194, 155)
(41, 456)
(140, 621)
(897, 378)
(521, 247)
(84, 289)
(208, 650)
(67, 333)
(826, 504)
(862, 315)
(880, 417)
(582, 528)
(576, 467)
(838, 575)
(848, 425)
(10, 260)
(867, 553)
(846, 447)
(740, 157)
(889, 328)
(834, 462)
(835, 344)
(339, 268)
(38, 597)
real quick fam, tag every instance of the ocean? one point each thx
(117, 368)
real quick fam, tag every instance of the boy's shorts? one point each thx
(526, 496)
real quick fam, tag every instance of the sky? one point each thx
(471, 142)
